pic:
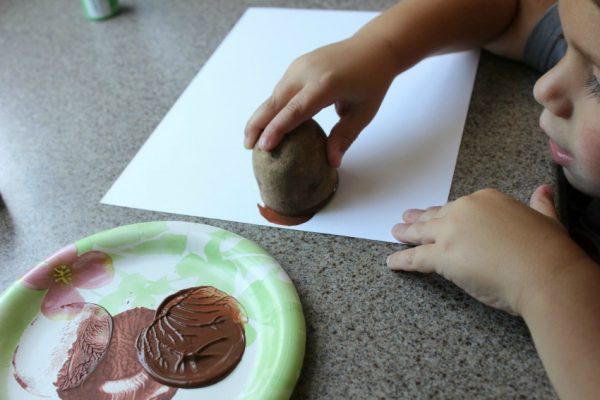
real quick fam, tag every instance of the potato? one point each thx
(295, 178)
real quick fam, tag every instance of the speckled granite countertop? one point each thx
(78, 99)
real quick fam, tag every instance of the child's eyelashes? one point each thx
(593, 86)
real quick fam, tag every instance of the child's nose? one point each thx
(552, 91)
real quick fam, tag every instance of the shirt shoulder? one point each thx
(546, 43)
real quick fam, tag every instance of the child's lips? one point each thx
(559, 155)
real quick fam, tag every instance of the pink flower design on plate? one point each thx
(63, 273)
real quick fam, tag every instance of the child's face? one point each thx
(570, 94)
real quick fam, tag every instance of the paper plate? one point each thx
(102, 286)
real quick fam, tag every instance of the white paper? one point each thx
(195, 164)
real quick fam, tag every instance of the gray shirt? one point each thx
(546, 44)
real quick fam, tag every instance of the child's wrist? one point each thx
(393, 59)
(564, 288)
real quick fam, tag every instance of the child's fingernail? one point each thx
(399, 228)
(264, 143)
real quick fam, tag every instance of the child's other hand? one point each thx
(495, 248)
(353, 74)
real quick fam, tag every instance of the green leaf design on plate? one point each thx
(189, 266)
(227, 248)
(135, 290)
(250, 333)
(122, 236)
(221, 276)
(165, 244)
(214, 254)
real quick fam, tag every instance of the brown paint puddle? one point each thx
(196, 338)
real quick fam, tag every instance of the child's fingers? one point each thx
(263, 115)
(301, 107)
(344, 133)
(416, 233)
(542, 200)
(414, 214)
(257, 123)
(420, 259)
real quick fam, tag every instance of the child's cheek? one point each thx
(589, 148)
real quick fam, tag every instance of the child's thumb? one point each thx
(542, 200)
(343, 134)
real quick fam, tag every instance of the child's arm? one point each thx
(564, 321)
(354, 74)
(521, 260)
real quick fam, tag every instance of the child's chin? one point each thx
(585, 186)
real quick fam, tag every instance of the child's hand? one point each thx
(497, 249)
(353, 74)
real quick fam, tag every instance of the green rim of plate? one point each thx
(210, 255)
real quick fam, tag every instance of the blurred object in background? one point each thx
(99, 9)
